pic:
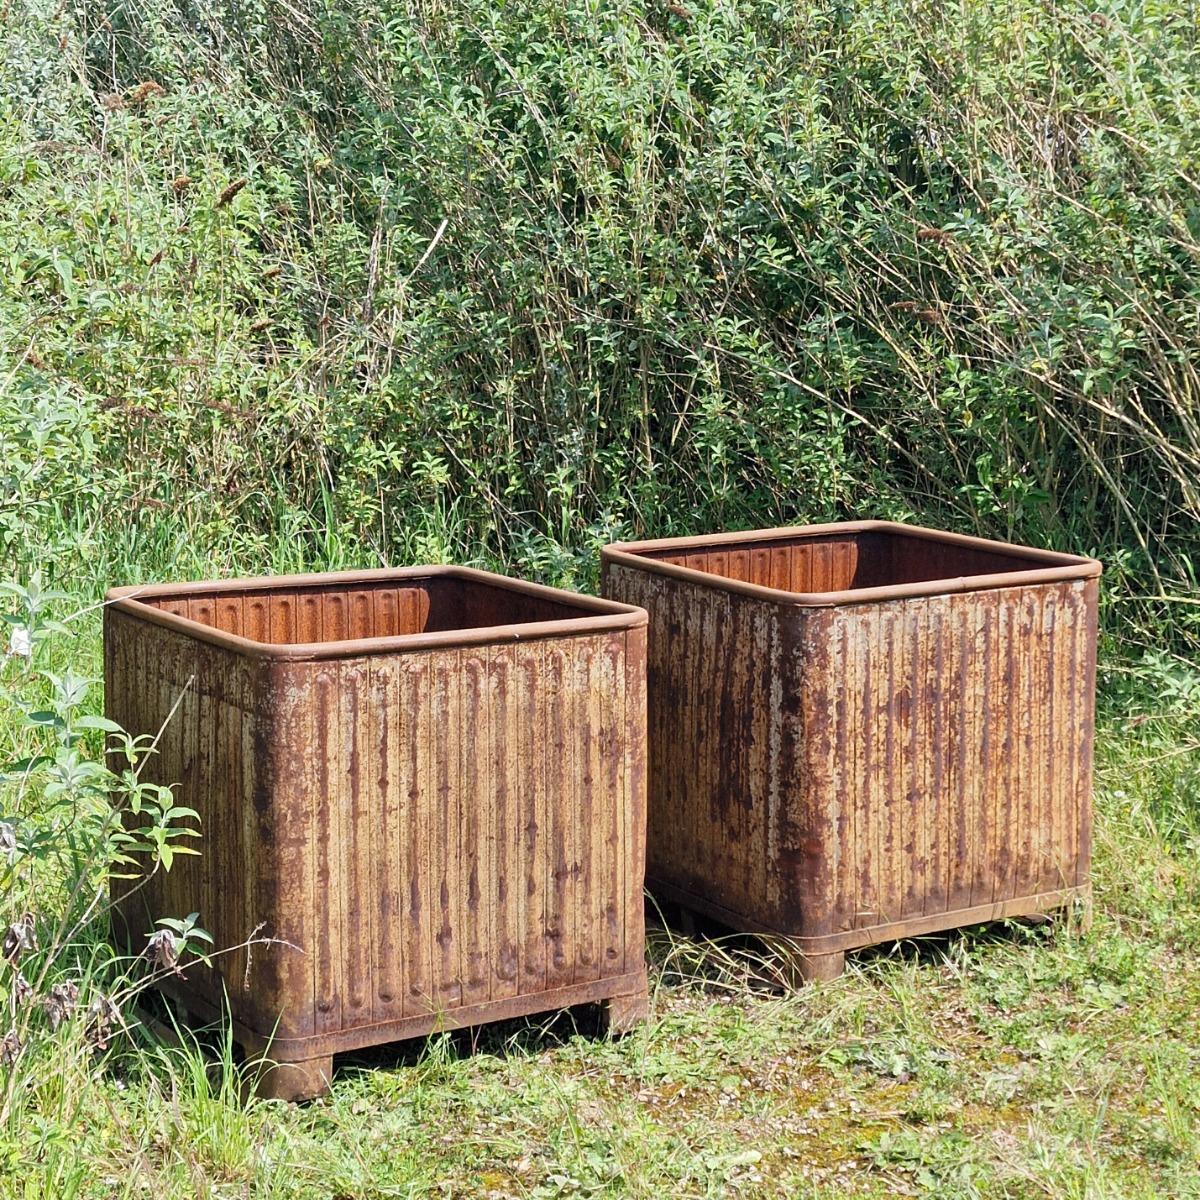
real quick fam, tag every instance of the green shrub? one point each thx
(504, 281)
(70, 823)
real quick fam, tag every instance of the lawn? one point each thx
(1016, 1060)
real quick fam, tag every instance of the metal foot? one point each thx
(792, 968)
(295, 1080)
(815, 967)
(620, 1014)
(1082, 914)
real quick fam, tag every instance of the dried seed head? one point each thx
(60, 1003)
(10, 1048)
(8, 842)
(102, 1016)
(143, 92)
(21, 937)
(162, 951)
(22, 989)
(112, 102)
(181, 183)
(231, 191)
(930, 316)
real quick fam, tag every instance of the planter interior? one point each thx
(312, 612)
(869, 557)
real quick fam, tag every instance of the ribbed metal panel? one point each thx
(855, 773)
(444, 837)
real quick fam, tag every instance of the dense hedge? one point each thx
(499, 280)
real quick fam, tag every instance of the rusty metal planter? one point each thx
(430, 782)
(864, 731)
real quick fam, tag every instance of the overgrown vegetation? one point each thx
(497, 282)
(309, 286)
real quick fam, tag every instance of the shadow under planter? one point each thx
(866, 731)
(425, 786)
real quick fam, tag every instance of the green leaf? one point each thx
(22, 766)
(97, 723)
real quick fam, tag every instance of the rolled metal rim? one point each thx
(1056, 567)
(603, 615)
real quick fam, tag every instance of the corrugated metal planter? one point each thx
(864, 731)
(430, 782)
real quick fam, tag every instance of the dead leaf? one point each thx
(21, 937)
(60, 1003)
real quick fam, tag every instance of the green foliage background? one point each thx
(506, 280)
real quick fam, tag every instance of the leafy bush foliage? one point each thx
(498, 282)
(70, 822)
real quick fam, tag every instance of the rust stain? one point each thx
(430, 782)
(864, 731)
